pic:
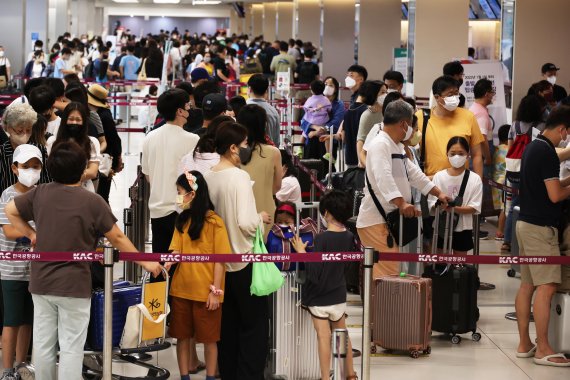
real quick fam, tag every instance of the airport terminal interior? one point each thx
(517, 45)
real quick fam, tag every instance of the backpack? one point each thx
(306, 72)
(515, 153)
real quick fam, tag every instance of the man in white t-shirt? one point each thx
(163, 148)
(484, 93)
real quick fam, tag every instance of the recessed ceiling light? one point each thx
(205, 2)
(126, 1)
(166, 1)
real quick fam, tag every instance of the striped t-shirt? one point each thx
(12, 270)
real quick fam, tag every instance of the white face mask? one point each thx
(323, 221)
(349, 82)
(392, 90)
(28, 177)
(409, 133)
(451, 102)
(2, 53)
(329, 91)
(180, 202)
(381, 99)
(457, 161)
(551, 80)
(207, 59)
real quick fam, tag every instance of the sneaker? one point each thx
(499, 236)
(483, 235)
(9, 374)
(328, 157)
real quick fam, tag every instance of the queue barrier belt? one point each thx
(314, 257)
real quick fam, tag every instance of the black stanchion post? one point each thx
(108, 322)
(366, 338)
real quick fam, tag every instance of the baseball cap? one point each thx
(549, 67)
(215, 102)
(25, 152)
(199, 73)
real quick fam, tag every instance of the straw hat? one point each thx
(97, 96)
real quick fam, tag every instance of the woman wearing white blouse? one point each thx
(243, 345)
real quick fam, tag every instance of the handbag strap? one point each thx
(143, 68)
(146, 314)
(426, 115)
(376, 201)
(463, 183)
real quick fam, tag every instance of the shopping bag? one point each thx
(132, 331)
(265, 278)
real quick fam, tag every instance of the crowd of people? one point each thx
(217, 177)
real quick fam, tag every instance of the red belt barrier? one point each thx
(314, 257)
(129, 130)
(500, 186)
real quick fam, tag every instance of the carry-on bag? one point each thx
(559, 325)
(454, 287)
(401, 311)
(294, 349)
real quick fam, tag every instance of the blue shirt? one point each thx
(59, 65)
(130, 65)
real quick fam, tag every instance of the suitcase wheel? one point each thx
(511, 273)
(415, 354)
(456, 339)
(476, 337)
(427, 351)
(373, 349)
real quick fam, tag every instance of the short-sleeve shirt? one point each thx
(7, 176)
(59, 65)
(192, 280)
(524, 126)
(220, 64)
(68, 219)
(440, 130)
(539, 164)
(482, 115)
(12, 270)
(130, 65)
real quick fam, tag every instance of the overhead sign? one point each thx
(400, 61)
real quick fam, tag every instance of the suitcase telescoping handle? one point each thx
(448, 232)
(419, 242)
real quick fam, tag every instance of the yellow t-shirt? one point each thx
(192, 280)
(440, 130)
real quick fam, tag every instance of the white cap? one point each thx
(25, 152)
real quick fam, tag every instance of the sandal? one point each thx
(201, 366)
(499, 236)
(506, 247)
(545, 361)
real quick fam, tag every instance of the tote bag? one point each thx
(265, 278)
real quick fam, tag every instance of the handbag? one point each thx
(265, 277)
(409, 228)
(132, 330)
(105, 164)
(458, 201)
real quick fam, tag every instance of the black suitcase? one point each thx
(454, 298)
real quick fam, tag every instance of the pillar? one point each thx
(59, 18)
(236, 23)
(36, 24)
(338, 37)
(284, 20)
(307, 21)
(11, 16)
(539, 44)
(248, 28)
(380, 25)
(438, 33)
(269, 21)
(257, 16)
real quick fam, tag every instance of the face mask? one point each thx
(1, 53)
(564, 141)
(451, 102)
(284, 226)
(409, 132)
(381, 99)
(74, 129)
(207, 59)
(20, 139)
(95, 45)
(38, 48)
(244, 154)
(390, 90)
(416, 138)
(323, 221)
(180, 202)
(349, 82)
(28, 177)
(329, 91)
(457, 161)
(84, 41)
(551, 80)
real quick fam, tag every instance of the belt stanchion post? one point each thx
(108, 261)
(339, 351)
(129, 266)
(329, 182)
(290, 103)
(313, 193)
(128, 124)
(476, 229)
(366, 333)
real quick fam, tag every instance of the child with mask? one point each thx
(279, 238)
(317, 108)
(18, 305)
(452, 181)
(197, 288)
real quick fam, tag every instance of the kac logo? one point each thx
(428, 258)
(170, 258)
(5, 255)
(82, 256)
(508, 260)
(250, 258)
(331, 257)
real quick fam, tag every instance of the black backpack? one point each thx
(306, 72)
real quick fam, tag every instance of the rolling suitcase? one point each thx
(559, 325)
(401, 311)
(293, 340)
(454, 299)
(123, 298)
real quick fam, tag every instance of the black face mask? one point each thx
(244, 154)
(74, 129)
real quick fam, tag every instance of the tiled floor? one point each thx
(492, 358)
